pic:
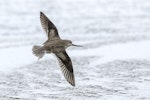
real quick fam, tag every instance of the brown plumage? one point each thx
(55, 45)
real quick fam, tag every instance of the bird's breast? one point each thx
(55, 49)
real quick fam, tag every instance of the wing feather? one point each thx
(66, 67)
(48, 27)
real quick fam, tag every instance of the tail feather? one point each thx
(38, 51)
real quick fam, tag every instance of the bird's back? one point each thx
(55, 46)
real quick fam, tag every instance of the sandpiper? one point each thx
(57, 46)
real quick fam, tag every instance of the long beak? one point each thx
(76, 45)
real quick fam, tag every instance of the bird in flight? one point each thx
(54, 44)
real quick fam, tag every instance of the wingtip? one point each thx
(41, 12)
(73, 84)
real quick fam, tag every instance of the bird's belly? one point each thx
(55, 49)
(58, 49)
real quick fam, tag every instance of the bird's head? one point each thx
(69, 43)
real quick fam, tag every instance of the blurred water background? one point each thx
(103, 21)
(91, 23)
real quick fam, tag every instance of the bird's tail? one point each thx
(38, 51)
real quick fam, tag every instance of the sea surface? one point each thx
(101, 26)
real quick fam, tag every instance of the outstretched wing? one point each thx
(66, 67)
(48, 27)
